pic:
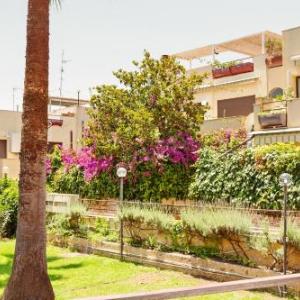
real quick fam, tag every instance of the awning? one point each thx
(295, 57)
(251, 45)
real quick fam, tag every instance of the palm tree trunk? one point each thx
(29, 279)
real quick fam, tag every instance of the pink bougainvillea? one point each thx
(92, 165)
(182, 149)
(179, 150)
(48, 166)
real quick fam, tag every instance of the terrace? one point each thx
(235, 57)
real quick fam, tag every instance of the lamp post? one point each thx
(285, 180)
(121, 173)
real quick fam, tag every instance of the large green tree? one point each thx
(29, 279)
(154, 101)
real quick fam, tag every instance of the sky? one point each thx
(100, 36)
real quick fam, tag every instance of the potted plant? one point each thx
(274, 118)
(220, 69)
(274, 52)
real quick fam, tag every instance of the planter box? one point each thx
(234, 70)
(242, 68)
(272, 120)
(221, 72)
(274, 61)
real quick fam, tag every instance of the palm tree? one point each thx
(29, 279)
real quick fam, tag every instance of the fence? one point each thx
(60, 203)
(215, 288)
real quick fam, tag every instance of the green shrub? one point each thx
(103, 230)
(9, 202)
(247, 177)
(69, 224)
(138, 186)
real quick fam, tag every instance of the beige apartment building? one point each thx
(246, 78)
(67, 119)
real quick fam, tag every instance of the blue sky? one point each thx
(100, 36)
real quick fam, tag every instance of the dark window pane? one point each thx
(3, 149)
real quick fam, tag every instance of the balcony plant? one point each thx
(274, 118)
(274, 52)
(221, 69)
(288, 94)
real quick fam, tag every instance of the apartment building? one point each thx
(252, 82)
(67, 119)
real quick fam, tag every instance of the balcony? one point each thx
(272, 114)
(235, 123)
(277, 114)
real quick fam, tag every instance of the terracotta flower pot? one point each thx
(242, 68)
(274, 61)
(221, 72)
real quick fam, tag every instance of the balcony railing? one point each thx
(277, 114)
(273, 114)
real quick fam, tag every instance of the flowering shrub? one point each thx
(147, 124)
(154, 172)
(179, 150)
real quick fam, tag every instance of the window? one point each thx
(71, 139)
(276, 92)
(3, 149)
(298, 86)
(241, 106)
(82, 128)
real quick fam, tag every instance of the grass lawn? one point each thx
(76, 275)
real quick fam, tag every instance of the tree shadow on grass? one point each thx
(6, 268)
(67, 266)
(53, 258)
(54, 277)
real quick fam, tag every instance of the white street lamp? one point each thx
(285, 181)
(121, 173)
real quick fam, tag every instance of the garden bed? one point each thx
(204, 268)
(201, 267)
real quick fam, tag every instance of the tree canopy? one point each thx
(155, 101)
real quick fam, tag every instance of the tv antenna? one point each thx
(62, 70)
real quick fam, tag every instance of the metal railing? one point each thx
(214, 288)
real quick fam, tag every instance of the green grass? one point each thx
(75, 275)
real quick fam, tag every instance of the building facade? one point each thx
(251, 82)
(67, 120)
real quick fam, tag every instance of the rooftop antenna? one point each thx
(63, 62)
(15, 89)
